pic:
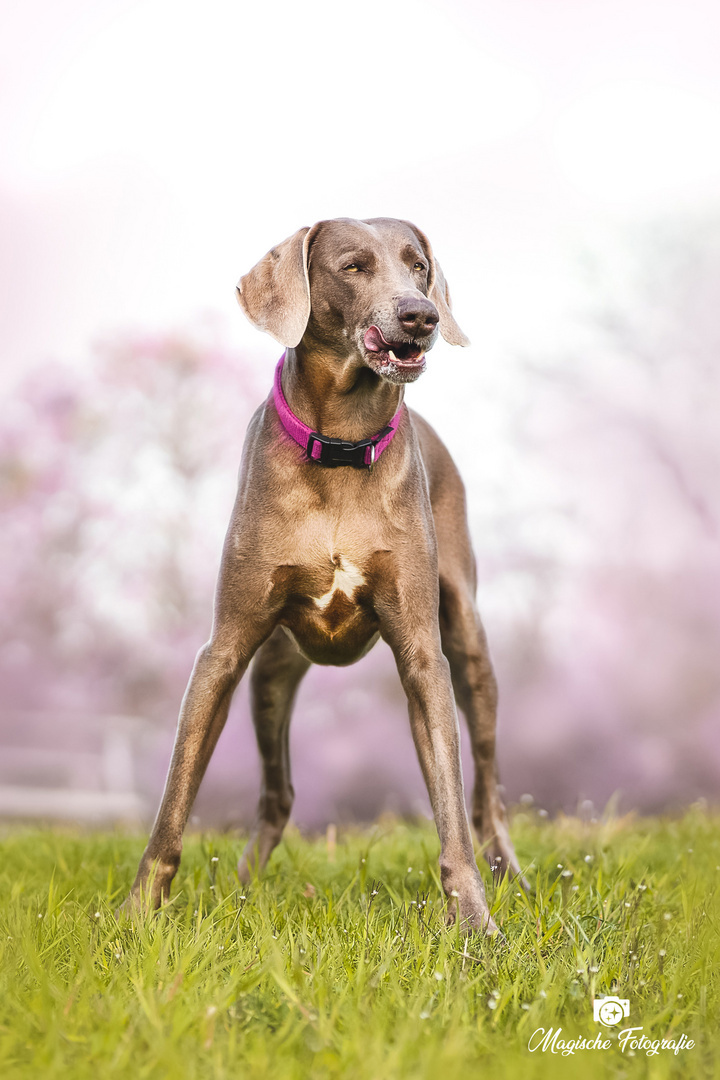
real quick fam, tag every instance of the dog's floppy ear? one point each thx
(439, 293)
(440, 296)
(275, 294)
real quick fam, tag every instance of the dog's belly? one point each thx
(328, 612)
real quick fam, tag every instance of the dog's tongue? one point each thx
(401, 353)
(374, 340)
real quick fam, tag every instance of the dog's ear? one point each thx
(439, 293)
(275, 294)
(440, 296)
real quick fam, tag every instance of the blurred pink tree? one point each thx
(116, 485)
(612, 679)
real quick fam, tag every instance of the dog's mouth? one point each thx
(401, 360)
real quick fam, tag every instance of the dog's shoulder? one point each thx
(442, 472)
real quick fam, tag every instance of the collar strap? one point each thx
(321, 448)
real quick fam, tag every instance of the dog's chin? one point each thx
(394, 370)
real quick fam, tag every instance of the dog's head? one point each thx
(370, 291)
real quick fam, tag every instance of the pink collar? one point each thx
(330, 452)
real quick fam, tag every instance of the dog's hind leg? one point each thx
(275, 676)
(465, 646)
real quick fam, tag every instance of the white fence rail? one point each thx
(95, 782)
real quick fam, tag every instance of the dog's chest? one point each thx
(346, 579)
(327, 607)
(323, 585)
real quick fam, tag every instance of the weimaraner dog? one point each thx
(320, 560)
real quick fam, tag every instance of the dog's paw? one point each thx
(133, 909)
(468, 907)
(142, 901)
(504, 862)
(498, 850)
(479, 922)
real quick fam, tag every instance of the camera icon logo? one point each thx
(610, 1010)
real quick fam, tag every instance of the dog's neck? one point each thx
(336, 397)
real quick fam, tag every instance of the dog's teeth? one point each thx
(420, 357)
(392, 355)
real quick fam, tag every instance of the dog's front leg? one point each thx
(204, 711)
(242, 623)
(413, 634)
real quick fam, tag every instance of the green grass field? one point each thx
(338, 964)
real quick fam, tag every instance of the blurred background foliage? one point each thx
(592, 481)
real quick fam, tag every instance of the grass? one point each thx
(337, 964)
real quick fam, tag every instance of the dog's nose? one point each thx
(417, 315)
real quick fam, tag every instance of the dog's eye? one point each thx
(419, 266)
(352, 268)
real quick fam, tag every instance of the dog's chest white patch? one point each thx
(346, 580)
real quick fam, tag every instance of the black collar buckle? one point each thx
(335, 452)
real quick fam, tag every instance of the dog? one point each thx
(349, 525)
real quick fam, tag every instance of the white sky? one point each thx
(153, 151)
